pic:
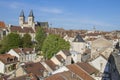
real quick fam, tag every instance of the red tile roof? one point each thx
(21, 30)
(91, 39)
(79, 71)
(2, 24)
(7, 58)
(24, 50)
(59, 57)
(36, 68)
(93, 34)
(28, 30)
(16, 29)
(55, 77)
(51, 64)
(87, 67)
(27, 50)
(17, 50)
(25, 77)
(66, 52)
(67, 75)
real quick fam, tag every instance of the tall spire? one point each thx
(31, 14)
(22, 14)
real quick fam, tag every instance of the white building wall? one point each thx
(54, 59)
(99, 63)
(27, 57)
(107, 52)
(68, 60)
(78, 47)
(13, 53)
(61, 69)
(2, 67)
(46, 66)
(76, 57)
(32, 36)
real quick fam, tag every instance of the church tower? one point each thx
(31, 18)
(21, 18)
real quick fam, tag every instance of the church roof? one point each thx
(21, 30)
(78, 38)
(31, 14)
(2, 24)
(22, 14)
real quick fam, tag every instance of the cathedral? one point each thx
(30, 21)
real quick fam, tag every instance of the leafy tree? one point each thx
(53, 44)
(12, 40)
(26, 40)
(40, 37)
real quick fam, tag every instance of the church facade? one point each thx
(28, 26)
(29, 23)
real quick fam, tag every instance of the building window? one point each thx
(4, 33)
(30, 19)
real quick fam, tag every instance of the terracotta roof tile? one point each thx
(87, 67)
(93, 34)
(36, 68)
(7, 58)
(91, 39)
(16, 29)
(17, 50)
(55, 77)
(21, 30)
(24, 50)
(51, 64)
(66, 52)
(67, 75)
(79, 71)
(2, 24)
(28, 30)
(59, 57)
(25, 77)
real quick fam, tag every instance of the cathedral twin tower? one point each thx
(30, 22)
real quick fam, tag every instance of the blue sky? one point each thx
(67, 14)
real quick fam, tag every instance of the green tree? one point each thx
(26, 40)
(53, 44)
(12, 40)
(40, 37)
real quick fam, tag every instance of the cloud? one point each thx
(26, 6)
(14, 5)
(51, 10)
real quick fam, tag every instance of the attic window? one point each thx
(76, 40)
(4, 33)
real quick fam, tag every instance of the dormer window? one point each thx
(76, 40)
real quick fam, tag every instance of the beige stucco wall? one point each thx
(78, 47)
(20, 72)
(54, 59)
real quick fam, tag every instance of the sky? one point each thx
(68, 14)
